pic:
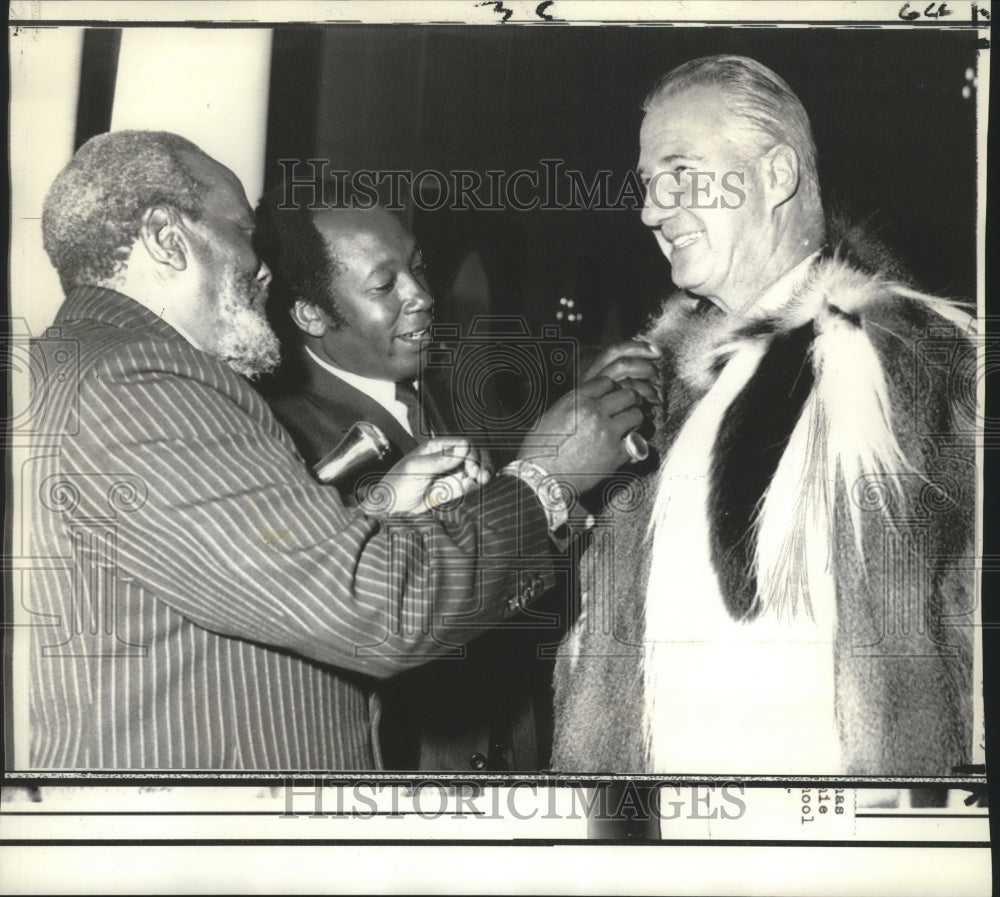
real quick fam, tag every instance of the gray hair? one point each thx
(92, 212)
(758, 99)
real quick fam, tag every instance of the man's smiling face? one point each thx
(380, 290)
(704, 197)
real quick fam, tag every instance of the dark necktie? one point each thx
(406, 394)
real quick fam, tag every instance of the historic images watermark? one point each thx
(430, 799)
(551, 186)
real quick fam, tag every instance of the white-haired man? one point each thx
(791, 589)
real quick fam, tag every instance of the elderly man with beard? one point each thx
(790, 589)
(203, 603)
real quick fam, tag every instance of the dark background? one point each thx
(896, 141)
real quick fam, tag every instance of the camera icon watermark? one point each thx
(44, 377)
(955, 366)
(499, 378)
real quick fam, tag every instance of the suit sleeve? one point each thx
(229, 529)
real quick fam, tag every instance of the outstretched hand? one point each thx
(579, 439)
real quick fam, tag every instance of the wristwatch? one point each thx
(550, 492)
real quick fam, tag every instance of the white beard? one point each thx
(246, 341)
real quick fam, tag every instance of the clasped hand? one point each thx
(579, 439)
(440, 471)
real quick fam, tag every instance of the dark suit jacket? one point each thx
(320, 410)
(457, 713)
(201, 601)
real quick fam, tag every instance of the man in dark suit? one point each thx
(203, 602)
(350, 302)
(352, 282)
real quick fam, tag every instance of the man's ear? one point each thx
(309, 318)
(781, 173)
(162, 234)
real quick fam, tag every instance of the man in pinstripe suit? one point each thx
(202, 603)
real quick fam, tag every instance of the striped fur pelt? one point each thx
(813, 492)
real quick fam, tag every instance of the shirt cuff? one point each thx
(549, 492)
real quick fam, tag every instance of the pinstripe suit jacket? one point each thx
(200, 602)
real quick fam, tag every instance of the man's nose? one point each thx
(264, 275)
(658, 208)
(418, 299)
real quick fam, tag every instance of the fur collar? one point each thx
(849, 277)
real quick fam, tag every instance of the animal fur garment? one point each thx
(788, 588)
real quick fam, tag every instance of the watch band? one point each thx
(550, 492)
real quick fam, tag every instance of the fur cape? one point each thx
(856, 432)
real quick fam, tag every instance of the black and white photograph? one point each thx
(547, 432)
